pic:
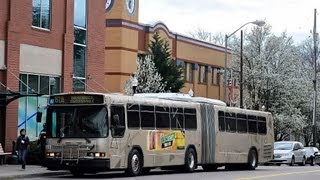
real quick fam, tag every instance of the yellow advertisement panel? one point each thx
(165, 140)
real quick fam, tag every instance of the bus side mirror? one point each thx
(39, 117)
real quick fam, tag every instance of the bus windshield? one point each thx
(77, 122)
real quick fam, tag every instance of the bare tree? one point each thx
(203, 35)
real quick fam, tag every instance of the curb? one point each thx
(34, 175)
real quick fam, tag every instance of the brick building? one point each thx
(52, 46)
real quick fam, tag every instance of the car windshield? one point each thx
(283, 146)
(84, 121)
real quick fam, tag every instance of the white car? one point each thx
(289, 152)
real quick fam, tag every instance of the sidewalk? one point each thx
(15, 171)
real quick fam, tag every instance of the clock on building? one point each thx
(130, 6)
(109, 4)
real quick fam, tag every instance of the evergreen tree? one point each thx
(161, 55)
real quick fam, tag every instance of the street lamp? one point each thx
(258, 23)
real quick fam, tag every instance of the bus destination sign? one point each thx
(77, 99)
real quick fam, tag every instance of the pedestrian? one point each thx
(42, 142)
(134, 83)
(22, 147)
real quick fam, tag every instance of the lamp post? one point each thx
(315, 40)
(258, 23)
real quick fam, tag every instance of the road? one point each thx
(283, 172)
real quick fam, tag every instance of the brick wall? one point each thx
(16, 28)
(95, 45)
(17, 15)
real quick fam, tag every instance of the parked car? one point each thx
(313, 155)
(289, 152)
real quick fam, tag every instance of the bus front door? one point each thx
(117, 142)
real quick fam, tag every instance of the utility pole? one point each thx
(315, 40)
(241, 70)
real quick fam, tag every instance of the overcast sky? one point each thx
(182, 16)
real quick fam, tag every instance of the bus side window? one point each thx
(133, 116)
(190, 118)
(162, 117)
(147, 117)
(176, 115)
(252, 124)
(231, 122)
(262, 125)
(242, 126)
(222, 125)
(117, 121)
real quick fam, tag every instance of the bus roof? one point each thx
(168, 97)
(181, 97)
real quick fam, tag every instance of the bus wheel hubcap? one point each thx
(135, 163)
(191, 160)
(253, 160)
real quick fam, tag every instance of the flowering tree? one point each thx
(274, 77)
(278, 75)
(149, 80)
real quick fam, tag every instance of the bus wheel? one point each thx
(209, 167)
(134, 163)
(190, 160)
(252, 160)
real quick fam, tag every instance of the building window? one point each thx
(203, 73)
(79, 48)
(190, 72)
(213, 75)
(218, 76)
(216, 73)
(80, 8)
(30, 83)
(182, 65)
(41, 13)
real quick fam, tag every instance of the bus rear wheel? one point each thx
(190, 160)
(252, 160)
(134, 163)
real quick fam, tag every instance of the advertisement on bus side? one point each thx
(165, 140)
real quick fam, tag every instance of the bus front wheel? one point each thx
(252, 160)
(190, 160)
(134, 163)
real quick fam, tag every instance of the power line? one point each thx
(90, 78)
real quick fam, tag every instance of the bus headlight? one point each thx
(50, 154)
(96, 154)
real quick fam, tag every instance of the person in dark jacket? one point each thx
(42, 142)
(22, 147)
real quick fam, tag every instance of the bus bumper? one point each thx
(88, 165)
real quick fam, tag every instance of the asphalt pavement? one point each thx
(283, 172)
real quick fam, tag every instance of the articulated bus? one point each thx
(92, 132)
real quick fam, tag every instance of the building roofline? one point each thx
(160, 25)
